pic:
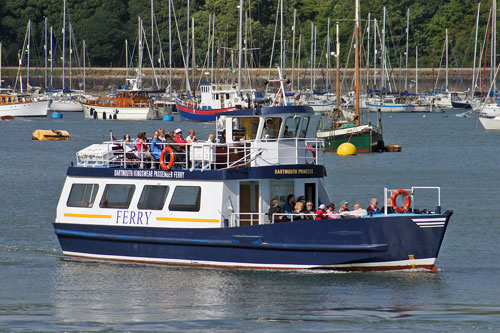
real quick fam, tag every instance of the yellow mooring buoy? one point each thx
(346, 148)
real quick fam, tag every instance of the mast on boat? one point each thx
(406, 53)
(337, 56)
(240, 45)
(64, 43)
(357, 33)
(473, 86)
(44, 49)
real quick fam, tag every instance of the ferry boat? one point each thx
(208, 205)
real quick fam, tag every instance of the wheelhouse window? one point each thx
(291, 127)
(82, 195)
(305, 125)
(245, 128)
(186, 198)
(271, 128)
(153, 197)
(117, 196)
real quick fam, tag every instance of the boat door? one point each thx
(310, 192)
(249, 203)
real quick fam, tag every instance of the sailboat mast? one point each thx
(188, 87)
(406, 53)
(473, 86)
(152, 43)
(139, 65)
(84, 65)
(45, 50)
(282, 51)
(416, 70)
(328, 56)
(126, 59)
(312, 46)
(375, 54)
(383, 53)
(368, 54)
(51, 58)
(0, 64)
(446, 86)
(170, 46)
(337, 56)
(64, 42)
(356, 32)
(29, 46)
(193, 59)
(293, 44)
(70, 53)
(240, 44)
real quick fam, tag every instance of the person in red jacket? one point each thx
(321, 213)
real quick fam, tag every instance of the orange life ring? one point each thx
(229, 104)
(404, 208)
(164, 166)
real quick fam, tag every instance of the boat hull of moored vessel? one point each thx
(25, 109)
(117, 113)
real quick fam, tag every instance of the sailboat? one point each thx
(124, 104)
(366, 137)
(14, 104)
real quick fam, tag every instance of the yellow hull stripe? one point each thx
(92, 216)
(181, 219)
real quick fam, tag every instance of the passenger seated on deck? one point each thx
(331, 212)
(390, 209)
(275, 209)
(156, 146)
(211, 138)
(321, 213)
(298, 213)
(143, 150)
(373, 208)
(356, 212)
(289, 206)
(344, 206)
(129, 147)
(192, 136)
(309, 210)
(268, 131)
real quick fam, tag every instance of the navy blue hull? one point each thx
(307, 244)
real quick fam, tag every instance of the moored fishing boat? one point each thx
(215, 101)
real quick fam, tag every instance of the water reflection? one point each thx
(158, 296)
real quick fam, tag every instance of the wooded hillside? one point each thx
(106, 24)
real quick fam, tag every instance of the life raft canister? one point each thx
(395, 195)
(168, 166)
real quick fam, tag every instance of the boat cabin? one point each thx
(215, 96)
(209, 185)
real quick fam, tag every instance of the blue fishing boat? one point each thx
(207, 204)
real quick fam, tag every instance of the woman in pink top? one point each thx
(331, 212)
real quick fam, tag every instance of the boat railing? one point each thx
(200, 156)
(252, 218)
(391, 194)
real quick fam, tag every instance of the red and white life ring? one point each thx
(168, 166)
(229, 104)
(401, 209)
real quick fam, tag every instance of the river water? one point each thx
(42, 291)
